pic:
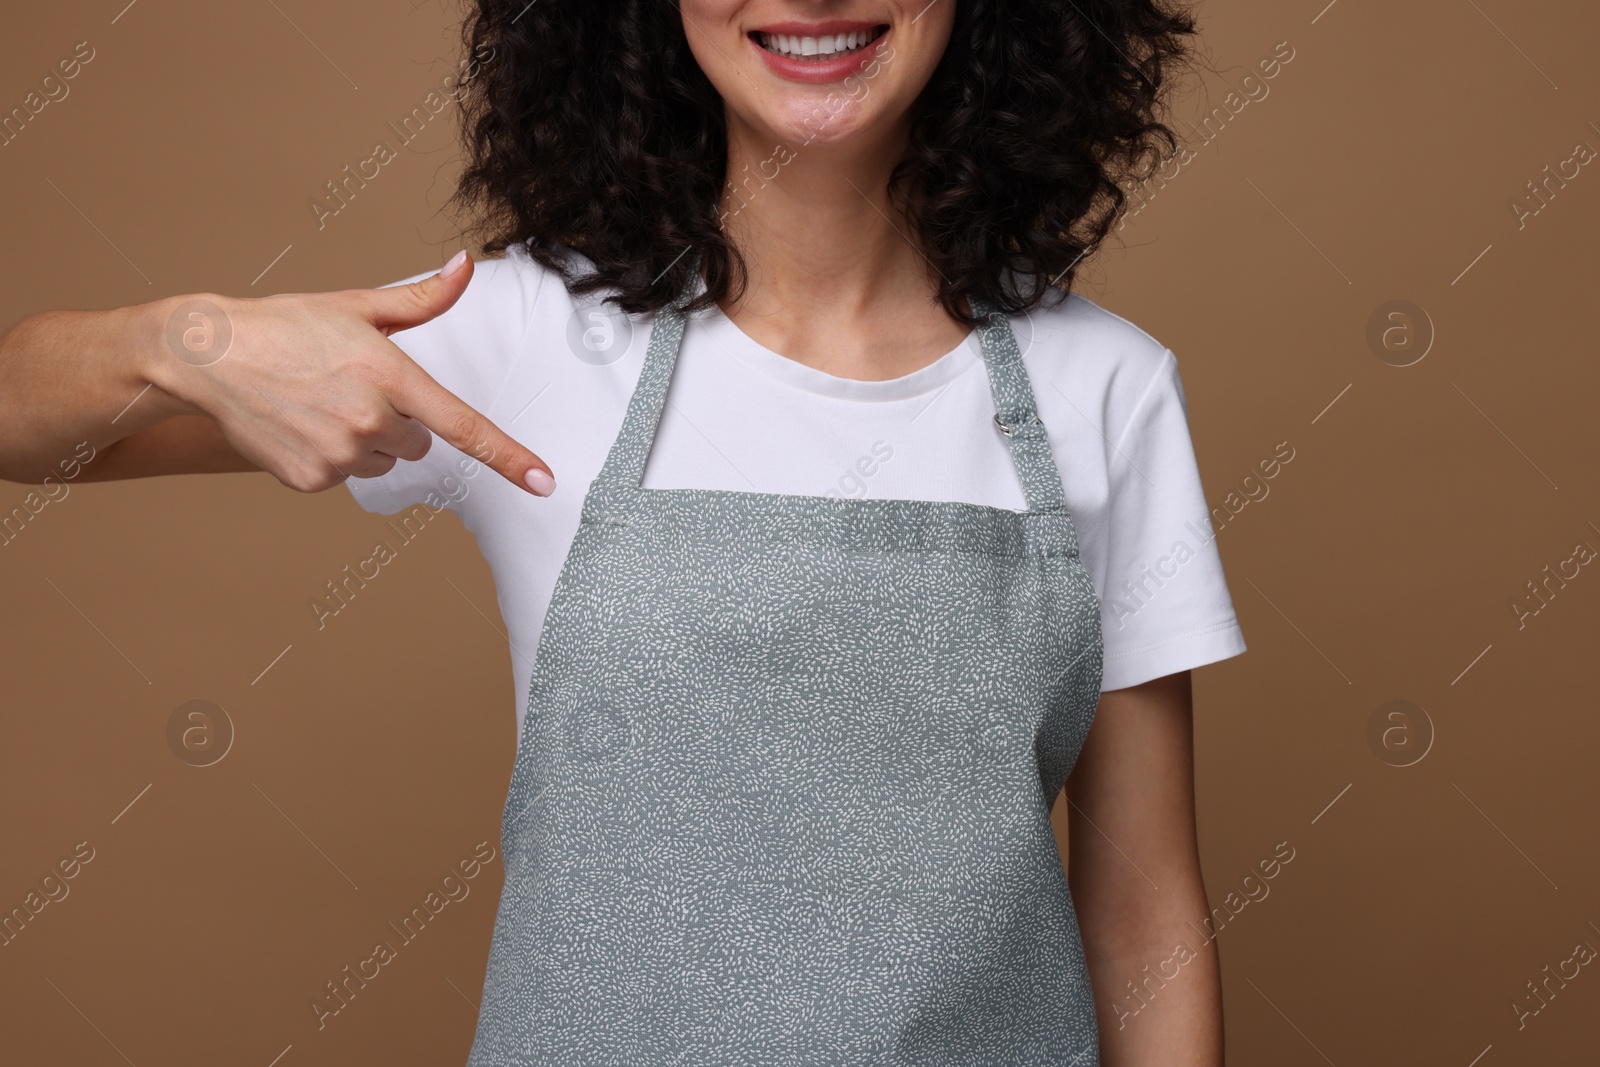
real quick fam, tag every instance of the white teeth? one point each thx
(786, 44)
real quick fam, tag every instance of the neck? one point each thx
(814, 222)
(826, 253)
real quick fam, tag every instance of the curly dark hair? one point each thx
(590, 125)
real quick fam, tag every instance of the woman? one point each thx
(820, 632)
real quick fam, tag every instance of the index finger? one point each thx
(419, 396)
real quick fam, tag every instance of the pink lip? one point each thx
(815, 71)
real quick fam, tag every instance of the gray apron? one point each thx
(783, 790)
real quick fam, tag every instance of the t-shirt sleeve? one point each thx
(469, 349)
(1165, 607)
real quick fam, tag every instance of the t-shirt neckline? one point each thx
(726, 335)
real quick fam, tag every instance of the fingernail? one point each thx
(540, 482)
(454, 264)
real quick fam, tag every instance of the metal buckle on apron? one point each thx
(1007, 430)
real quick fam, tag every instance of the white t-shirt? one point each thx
(556, 374)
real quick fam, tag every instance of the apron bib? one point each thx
(782, 794)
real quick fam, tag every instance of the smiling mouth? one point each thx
(834, 46)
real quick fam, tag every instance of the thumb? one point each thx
(402, 305)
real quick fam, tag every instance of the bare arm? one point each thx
(308, 387)
(75, 378)
(1134, 868)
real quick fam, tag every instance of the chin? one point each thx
(820, 119)
(814, 78)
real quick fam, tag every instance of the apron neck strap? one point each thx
(1015, 414)
(624, 465)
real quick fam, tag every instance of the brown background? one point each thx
(373, 755)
